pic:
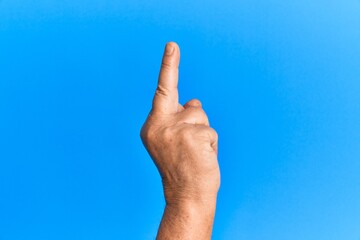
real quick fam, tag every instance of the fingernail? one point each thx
(169, 49)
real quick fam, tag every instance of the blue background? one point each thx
(280, 81)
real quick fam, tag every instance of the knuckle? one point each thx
(148, 133)
(216, 135)
(167, 134)
(145, 134)
(161, 91)
(166, 65)
(195, 115)
(211, 133)
(197, 112)
(185, 134)
(200, 114)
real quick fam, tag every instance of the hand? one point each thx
(180, 140)
(184, 149)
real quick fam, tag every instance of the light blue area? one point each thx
(280, 81)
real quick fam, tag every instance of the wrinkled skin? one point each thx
(184, 148)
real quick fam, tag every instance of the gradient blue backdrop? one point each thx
(280, 81)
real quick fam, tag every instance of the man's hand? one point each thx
(184, 149)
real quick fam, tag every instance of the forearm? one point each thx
(190, 220)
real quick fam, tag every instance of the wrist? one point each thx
(191, 218)
(195, 191)
(190, 204)
(190, 196)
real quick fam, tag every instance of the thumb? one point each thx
(166, 96)
(193, 103)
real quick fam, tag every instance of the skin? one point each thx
(184, 148)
